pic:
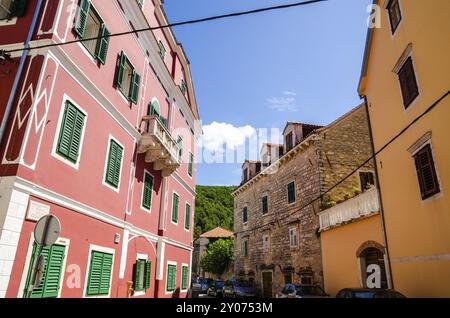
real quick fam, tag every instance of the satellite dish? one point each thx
(47, 230)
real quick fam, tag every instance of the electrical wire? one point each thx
(212, 18)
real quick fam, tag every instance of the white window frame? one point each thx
(61, 241)
(291, 229)
(54, 153)
(108, 145)
(101, 249)
(167, 277)
(142, 192)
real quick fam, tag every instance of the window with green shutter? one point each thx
(141, 275)
(171, 277)
(187, 217)
(191, 164)
(114, 164)
(51, 280)
(291, 192)
(89, 25)
(127, 79)
(71, 131)
(175, 205)
(162, 49)
(183, 87)
(184, 277)
(180, 148)
(99, 277)
(148, 190)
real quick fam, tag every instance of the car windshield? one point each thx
(219, 284)
(311, 290)
(363, 294)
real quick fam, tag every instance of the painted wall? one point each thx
(417, 230)
(339, 248)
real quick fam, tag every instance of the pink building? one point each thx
(102, 135)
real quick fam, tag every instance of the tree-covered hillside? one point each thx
(213, 207)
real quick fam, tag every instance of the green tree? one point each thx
(213, 208)
(218, 256)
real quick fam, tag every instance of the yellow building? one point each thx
(407, 72)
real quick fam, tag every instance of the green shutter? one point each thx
(121, 70)
(162, 50)
(134, 89)
(51, 279)
(183, 87)
(82, 15)
(100, 271)
(184, 278)
(70, 134)
(187, 217)
(18, 8)
(138, 267)
(171, 277)
(148, 190)
(154, 109)
(101, 51)
(175, 204)
(114, 164)
(191, 164)
(147, 276)
(180, 145)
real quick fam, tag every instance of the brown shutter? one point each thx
(426, 172)
(408, 82)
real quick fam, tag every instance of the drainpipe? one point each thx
(380, 199)
(15, 87)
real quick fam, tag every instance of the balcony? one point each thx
(357, 207)
(159, 146)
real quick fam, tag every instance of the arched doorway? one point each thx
(372, 253)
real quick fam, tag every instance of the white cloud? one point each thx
(216, 135)
(289, 93)
(285, 103)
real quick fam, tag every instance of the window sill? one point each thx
(6, 22)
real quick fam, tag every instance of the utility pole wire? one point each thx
(217, 17)
(429, 109)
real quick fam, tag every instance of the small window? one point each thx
(289, 141)
(142, 272)
(99, 276)
(184, 277)
(12, 8)
(140, 3)
(183, 87)
(148, 191)
(114, 164)
(175, 205)
(426, 172)
(367, 180)
(88, 24)
(306, 279)
(162, 49)
(244, 215)
(171, 277)
(291, 192)
(187, 217)
(127, 80)
(180, 148)
(265, 205)
(288, 278)
(245, 175)
(191, 164)
(70, 134)
(408, 82)
(395, 14)
(293, 237)
(266, 242)
(245, 247)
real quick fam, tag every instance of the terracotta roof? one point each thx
(218, 232)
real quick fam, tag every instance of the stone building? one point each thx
(276, 208)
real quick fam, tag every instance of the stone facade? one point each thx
(283, 244)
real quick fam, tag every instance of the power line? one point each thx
(429, 109)
(217, 17)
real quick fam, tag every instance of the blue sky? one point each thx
(259, 71)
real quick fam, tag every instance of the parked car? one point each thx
(238, 288)
(204, 283)
(302, 291)
(368, 293)
(196, 287)
(216, 288)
